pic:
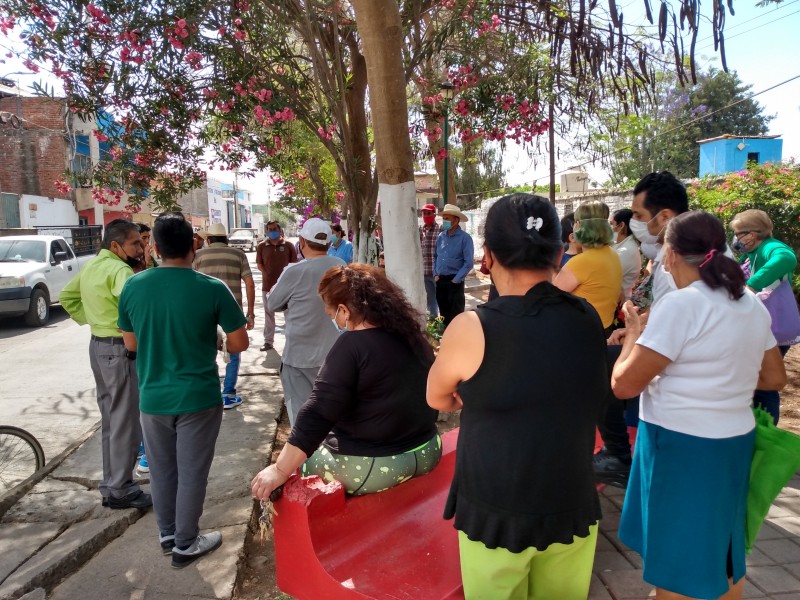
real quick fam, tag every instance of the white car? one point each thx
(244, 239)
(33, 271)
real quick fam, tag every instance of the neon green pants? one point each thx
(368, 474)
(562, 571)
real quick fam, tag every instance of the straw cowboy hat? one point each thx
(453, 210)
(215, 230)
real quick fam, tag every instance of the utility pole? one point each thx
(236, 198)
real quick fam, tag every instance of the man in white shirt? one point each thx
(657, 198)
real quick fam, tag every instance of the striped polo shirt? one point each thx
(225, 263)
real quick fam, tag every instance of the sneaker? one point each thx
(266, 347)
(231, 402)
(203, 544)
(610, 469)
(138, 499)
(167, 543)
(141, 450)
(144, 466)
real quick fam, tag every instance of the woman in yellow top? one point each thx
(596, 273)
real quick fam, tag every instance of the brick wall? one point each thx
(34, 156)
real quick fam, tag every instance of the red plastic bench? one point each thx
(335, 548)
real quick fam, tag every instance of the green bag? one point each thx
(776, 457)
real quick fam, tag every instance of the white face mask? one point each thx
(640, 231)
(650, 250)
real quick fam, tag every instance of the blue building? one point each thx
(728, 153)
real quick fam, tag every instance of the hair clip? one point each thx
(535, 223)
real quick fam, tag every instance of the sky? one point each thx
(762, 46)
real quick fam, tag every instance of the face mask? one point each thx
(447, 225)
(428, 219)
(650, 250)
(335, 324)
(274, 235)
(132, 261)
(738, 245)
(639, 229)
(334, 239)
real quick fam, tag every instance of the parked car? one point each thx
(33, 271)
(246, 239)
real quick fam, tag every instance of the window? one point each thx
(82, 163)
(752, 157)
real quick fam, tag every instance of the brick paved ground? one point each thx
(773, 568)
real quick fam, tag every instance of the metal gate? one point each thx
(9, 211)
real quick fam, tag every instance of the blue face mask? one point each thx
(274, 235)
(334, 239)
(335, 324)
(447, 225)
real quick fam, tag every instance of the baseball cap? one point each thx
(316, 230)
(431, 207)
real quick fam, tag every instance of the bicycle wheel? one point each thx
(21, 456)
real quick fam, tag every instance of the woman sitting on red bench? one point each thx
(367, 408)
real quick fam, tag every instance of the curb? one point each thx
(12, 496)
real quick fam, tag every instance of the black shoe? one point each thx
(610, 469)
(167, 544)
(266, 347)
(138, 499)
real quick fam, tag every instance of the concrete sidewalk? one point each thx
(59, 538)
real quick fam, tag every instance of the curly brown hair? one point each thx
(372, 297)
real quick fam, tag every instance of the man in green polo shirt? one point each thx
(169, 316)
(92, 297)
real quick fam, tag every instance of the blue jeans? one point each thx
(231, 376)
(430, 293)
(770, 400)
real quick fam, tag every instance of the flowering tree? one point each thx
(773, 188)
(237, 75)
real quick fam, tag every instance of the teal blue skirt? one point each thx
(684, 509)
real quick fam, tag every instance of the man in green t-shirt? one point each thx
(169, 317)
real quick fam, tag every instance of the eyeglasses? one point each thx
(740, 234)
(427, 212)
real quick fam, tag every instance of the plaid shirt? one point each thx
(427, 238)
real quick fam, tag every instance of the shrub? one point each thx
(773, 188)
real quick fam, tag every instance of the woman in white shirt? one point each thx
(696, 367)
(627, 248)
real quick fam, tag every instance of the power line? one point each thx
(676, 128)
(728, 38)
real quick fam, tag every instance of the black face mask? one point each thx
(132, 261)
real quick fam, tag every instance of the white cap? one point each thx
(316, 230)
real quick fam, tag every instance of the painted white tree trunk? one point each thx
(401, 240)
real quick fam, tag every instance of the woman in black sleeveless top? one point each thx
(529, 371)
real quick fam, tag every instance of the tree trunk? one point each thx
(382, 34)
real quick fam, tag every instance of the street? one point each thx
(46, 383)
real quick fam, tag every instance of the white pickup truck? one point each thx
(33, 271)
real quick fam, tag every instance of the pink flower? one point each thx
(441, 154)
(101, 137)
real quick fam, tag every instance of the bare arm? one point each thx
(289, 460)
(460, 355)
(238, 341)
(250, 292)
(773, 373)
(130, 340)
(637, 365)
(565, 279)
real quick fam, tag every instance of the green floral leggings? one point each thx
(369, 474)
